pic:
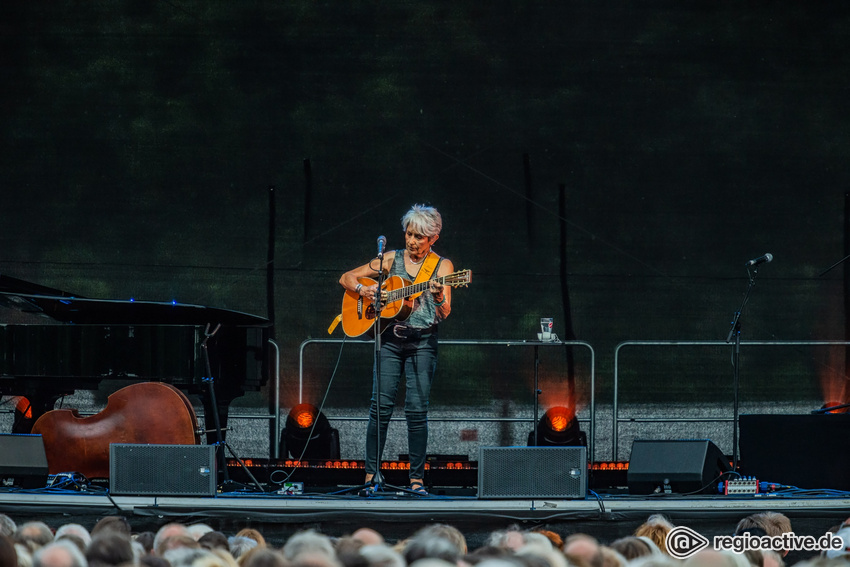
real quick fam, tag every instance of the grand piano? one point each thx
(86, 341)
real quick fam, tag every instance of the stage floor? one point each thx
(398, 516)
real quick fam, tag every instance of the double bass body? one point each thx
(144, 413)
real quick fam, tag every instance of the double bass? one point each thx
(144, 413)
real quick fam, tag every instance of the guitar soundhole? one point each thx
(370, 311)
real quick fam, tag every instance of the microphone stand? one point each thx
(830, 409)
(221, 444)
(841, 261)
(377, 481)
(377, 485)
(735, 333)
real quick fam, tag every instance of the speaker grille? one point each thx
(532, 472)
(162, 470)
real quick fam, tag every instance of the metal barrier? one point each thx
(616, 419)
(472, 342)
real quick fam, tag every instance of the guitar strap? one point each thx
(426, 270)
(425, 273)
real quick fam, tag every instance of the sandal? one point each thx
(418, 488)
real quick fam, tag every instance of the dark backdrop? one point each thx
(139, 139)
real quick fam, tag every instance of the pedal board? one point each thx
(744, 485)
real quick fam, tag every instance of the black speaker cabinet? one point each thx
(162, 470)
(806, 451)
(680, 466)
(23, 462)
(532, 472)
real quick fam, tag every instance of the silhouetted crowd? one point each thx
(112, 542)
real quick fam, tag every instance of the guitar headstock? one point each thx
(457, 279)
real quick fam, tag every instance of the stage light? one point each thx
(558, 427)
(308, 434)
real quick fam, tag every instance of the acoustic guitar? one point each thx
(358, 314)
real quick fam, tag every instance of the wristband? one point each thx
(358, 288)
(438, 303)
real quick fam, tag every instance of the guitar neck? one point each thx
(409, 290)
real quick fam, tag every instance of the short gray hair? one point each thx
(42, 557)
(423, 219)
(381, 555)
(73, 530)
(240, 545)
(308, 541)
(8, 526)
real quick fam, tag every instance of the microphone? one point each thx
(382, 243)
(760, 260)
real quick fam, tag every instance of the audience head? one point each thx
(7, 526)
(109, 548)
(194, 557)
(655, 528)
(198, 530)
(510, 539)
(239, 545)
(214, 540)
(34, 535)
(448, 532)
(262, 556)
(145, 539)
(253, 534)
(171, 531)
(348, 552)
(772, 523)
(310, 543)
(612, 558)
(584, 548)
(368, 536)
(431, 544)
(538, 550)
(381, 555)
(114, 524)
(59, 554)
(557, 540)
(74, 530)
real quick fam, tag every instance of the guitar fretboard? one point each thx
(409, 290)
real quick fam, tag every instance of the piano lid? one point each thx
(67, 308)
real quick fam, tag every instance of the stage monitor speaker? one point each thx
(806, 451)
(680, 466)
(532, 472)
(23, 462)
(162, 470)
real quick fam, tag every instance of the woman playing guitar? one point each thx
(409, 347)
